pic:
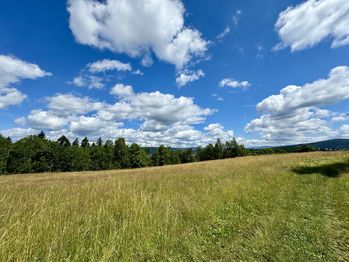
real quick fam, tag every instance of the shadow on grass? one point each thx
(329, 170)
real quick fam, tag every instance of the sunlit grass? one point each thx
(270, 208)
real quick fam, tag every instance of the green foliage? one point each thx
(138, 157)
(85, 143)
(165, 156)
(187, 156)
(99, 159)
(121, 156)
(306, 148)
(63, 142)
(76, 143)
(31, 154)
(230, 149)
(80, 159)
(5, 146)
(38, 154)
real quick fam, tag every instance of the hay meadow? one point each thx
(292, 207)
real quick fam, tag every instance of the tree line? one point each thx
(36, 154)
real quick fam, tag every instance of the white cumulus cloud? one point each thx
(122, 90)
(295, 114)
(188, 76)
(313, 21)
(108, 65)
(97, 74)
(319, 93)
(12, 71)
(161, 119)
(137, 28)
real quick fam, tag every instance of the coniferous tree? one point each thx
(187, 156)
(42, 135)
(218, 150)
(76, 143)
(100, 142)
(138, 157)
(85, 143)
(109, 154)
(37, 154)
(165, 156)
(121, 156)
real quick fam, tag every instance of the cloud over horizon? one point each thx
(296, 115)
(163, 119)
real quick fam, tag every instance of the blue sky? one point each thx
(81, 68)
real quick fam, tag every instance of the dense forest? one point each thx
(35, 153)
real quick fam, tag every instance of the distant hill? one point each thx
(328, 145)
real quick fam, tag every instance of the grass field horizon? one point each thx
(259, 208)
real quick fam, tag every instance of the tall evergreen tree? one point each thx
(42, 135)
(76, 143)
(109, 154)
(187, 156)
(100, 142)
(138, 157)
(85, 143)
(121, 156)
(218, 150)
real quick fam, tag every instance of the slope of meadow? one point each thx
(268, 208)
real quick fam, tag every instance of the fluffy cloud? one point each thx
(108, 65)
(300, 126)
(122, 90)
(46, 120)
(137, 28)
(294, 115)
(312, 21)
(188, 76)
(344, 130)
(10, 96)
(161, 119)
(164, 109)
(217, 131)
(176, 136)
(18, 133)
(233, 83)
(13, 70)
(95, 75)
(68, 104)
(319, 93)
(91, 125)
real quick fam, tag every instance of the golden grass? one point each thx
(268, 208)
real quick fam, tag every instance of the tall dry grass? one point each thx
(269, 208)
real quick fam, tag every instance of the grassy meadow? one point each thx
(292, 207)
